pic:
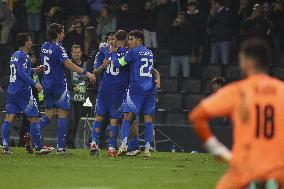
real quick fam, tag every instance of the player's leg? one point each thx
(36, 137)
(5, 131)
(125, 132)
(30, 109)
(61, 130)
(131, 108)
(100, 111)
(133, 144)
(96, 128)
(113, 131)
(62, 104)
(230, 180)
(148, 109)
(49, 110)
(115, 106)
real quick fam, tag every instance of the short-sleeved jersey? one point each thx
(256, 107)
(52, 57)
(141, 62)
(113, 77)
(20, 81)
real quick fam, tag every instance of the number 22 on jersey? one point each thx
(146, 68)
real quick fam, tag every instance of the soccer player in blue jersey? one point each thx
(19, 94)
(112, 91)
(55, 59)
(141, 94)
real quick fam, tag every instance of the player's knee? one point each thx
(148, 118)
(10, 117)
(128, 116)
(99, 118)
(62, 113)
(114, 122)
(50, 113)
(33, 119)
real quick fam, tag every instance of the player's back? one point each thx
(141, 77)
(258, 144)
(19, 62)
(53, 57)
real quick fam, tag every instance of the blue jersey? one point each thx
(141, 64)
(20, 81)
(52, 57)
(112, 77)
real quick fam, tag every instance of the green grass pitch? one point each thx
(82, 171)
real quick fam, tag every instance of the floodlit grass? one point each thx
(81, 171)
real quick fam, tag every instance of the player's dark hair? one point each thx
(75, 46)
(22, 38)
(220, 81)
(191, 3)
(121, 35)
(137, 34)
(221, 2)
(259, 51)
(53, 30)
(108, 35)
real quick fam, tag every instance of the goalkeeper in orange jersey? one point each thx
(255, 106)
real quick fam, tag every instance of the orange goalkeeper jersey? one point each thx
(256, 108)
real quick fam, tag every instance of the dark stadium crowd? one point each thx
(194, 30)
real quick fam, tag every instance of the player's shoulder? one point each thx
(21, 54)
(279, 83)
(233, 86)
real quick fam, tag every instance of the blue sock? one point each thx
(133, 144)
(112, 138)
(95, 134)
(35, 134)
(44, 121)
(61, 132)
(6, 133)
(148, 133)
(125, 131)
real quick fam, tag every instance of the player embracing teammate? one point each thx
(117, 82)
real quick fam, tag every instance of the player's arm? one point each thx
(157, 78)
(120, 62)
(38, 69)
(100, 65)
(217, 105)
(73, 67)
(22, 73)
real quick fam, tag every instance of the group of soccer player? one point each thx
(127, 88)
(126, 85)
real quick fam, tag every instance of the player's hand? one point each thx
(39, 69)
(216, 148)
(158, 83)
(105, 64)
(38, 87)
(113, 48)
(92, 77)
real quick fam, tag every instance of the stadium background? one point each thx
(178, 93)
